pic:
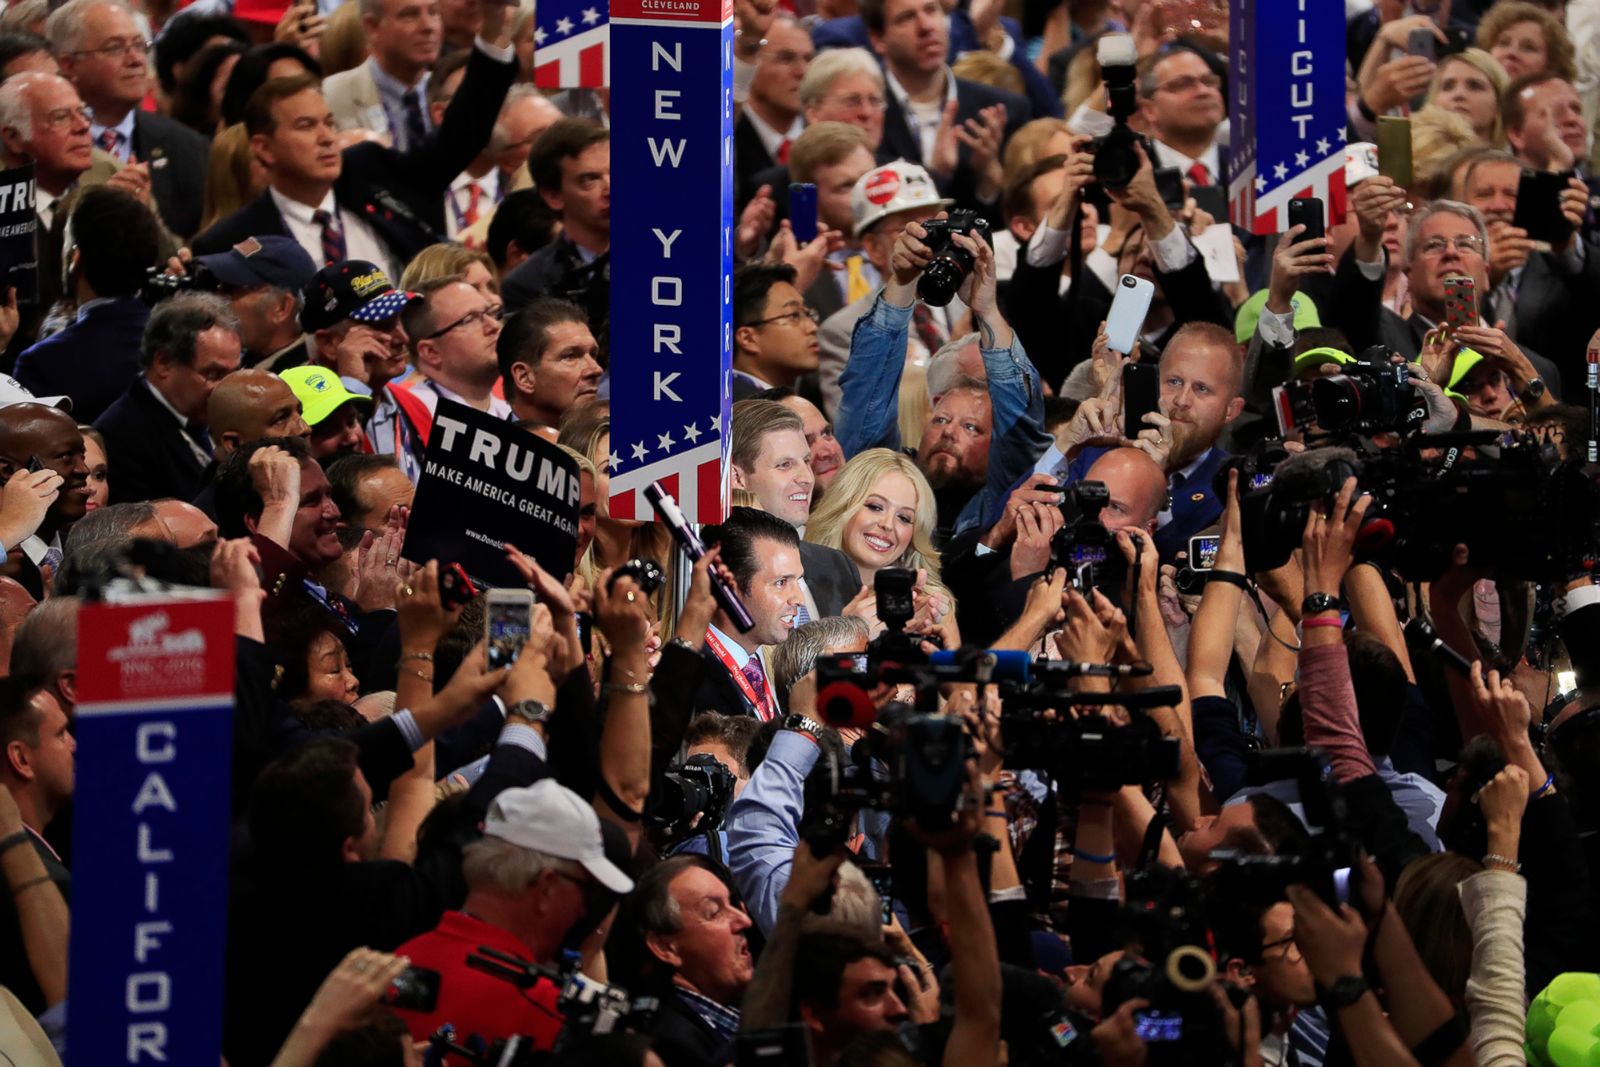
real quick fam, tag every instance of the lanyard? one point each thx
(766, 703)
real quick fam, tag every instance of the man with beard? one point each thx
(48, 435)
(980, 437)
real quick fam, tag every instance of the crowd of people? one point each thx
(1302, 765)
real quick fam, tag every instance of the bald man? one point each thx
(30, 432)
(187, 525)
(1136, 485)
(248, 405)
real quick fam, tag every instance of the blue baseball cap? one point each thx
(276, 261)
(351, 289)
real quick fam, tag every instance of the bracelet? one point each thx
(996, 813)
(1493, 859)
(1090, 857)
(683, 644)
(1548, 787)
(11, 841)
(1339, 623)
(30, 883)
(1230, 577)
(634, 688)
(426, 657)
(412, 670)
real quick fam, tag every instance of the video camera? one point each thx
(1090, 752)
(951, 263)
(1116, 159)
(1085, 547)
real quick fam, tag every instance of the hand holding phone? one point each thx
(1141, 395)
(1129, 307)
(1307, 212)
(507, 625)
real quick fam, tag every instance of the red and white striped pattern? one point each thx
(1269, 213)
(581, 61)
(694, 478)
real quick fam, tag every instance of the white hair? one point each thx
(833, 64)
(944, 366)
(65, 25)
(856, 906)
(515, 95)
(16, 100)
(497, 865)
(1443, 207)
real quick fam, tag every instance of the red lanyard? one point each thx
(767, 702)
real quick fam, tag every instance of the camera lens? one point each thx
(1128, 281)
(1337, 401)
(940, 281)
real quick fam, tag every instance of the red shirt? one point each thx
(472, 1001)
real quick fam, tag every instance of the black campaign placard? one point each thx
(485, 482)
(19, 261)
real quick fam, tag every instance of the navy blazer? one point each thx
(971, 98)
(148, 453)
(179, 184)
(1194, 503)
(92, 360)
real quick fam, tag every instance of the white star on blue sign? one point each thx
(1280, 172)
(564, 26)
(615, 461)
(1301, 159)
(539, 36)
(1322, 146)
(692, 433)
(664, 442)
(1344, 135)
(1261, 183)
(590, 16)
(716, 423)
(639, 450)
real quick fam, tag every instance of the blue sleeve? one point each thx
(1220, 745)
(869, 388)
(764, 825)
(1019, 437)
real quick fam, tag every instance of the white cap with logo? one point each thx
(891, 188)
(14, 392)
(1360, 163)
(547, 817)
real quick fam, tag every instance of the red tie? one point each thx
(474, 194)
(1199, 175)
(109, 139)
(783, 151)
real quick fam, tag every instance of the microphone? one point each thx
(726, 596)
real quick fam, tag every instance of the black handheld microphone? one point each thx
(683, 533)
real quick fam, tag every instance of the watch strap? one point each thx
(1345, 991)
(801, 724)
(1316, 603)
(533, 710)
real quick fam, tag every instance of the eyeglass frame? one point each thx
(1478, 248)
(856, 101)
(496, 312)
(53, 122)
(1288, 943)
(116, 49)
(809, 313)
(1189, 81)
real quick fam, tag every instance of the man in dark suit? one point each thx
(912, 38)
(770, 122)
(156, 439)
(38, 432)
(102, 52)
(571, 167)
(762, 552)
(368, 202)
(94, 358)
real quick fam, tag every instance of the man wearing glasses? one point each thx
(1181, 98)
(452, 330)
(104, 53)
(774, 333)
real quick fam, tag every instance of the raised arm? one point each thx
(622, 614)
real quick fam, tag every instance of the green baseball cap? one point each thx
(1465, 361)
(1249, 317)
(320, 392)
(1313, 358)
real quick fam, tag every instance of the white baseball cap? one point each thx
(547, 817)
(893, 187)
(1360, 163)
(14, 392)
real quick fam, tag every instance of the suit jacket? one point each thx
(148, 452)
(750, 155)
(971, 98)
(351, 96)
(1557, 312)
(831, 576)
(399, 194)
(179, 185)
(93, 360)
(718, 691)
(682, 1039)
(823, 295)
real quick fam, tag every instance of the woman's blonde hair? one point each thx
(344, 40)
(1428, 900)
(1436, 135)
(989, 69)
(440, 261)
(230, 175)
(851, 488)
(1558, 50)
(1027, 145)
(1490, 68)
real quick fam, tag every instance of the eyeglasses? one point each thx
(61, 118)
(856, 101)
(1189, 81)
(1465, 244)
(472, 318)
(116, 48)
(792, 317)
(1291, 950)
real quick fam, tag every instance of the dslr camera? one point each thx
(1372, 396)
(1085, 547)
(1116, 158)
(1090, 752)
(700, 785)
(951, 263)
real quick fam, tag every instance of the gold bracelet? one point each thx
(412, 670)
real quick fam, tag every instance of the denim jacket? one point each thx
(869, 404)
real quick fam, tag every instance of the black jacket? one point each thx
(718, 691)
(831, 576)
(93, 360)
(399, 194)
(150, 455)
(971, 98)
(682, 1039)
(179, 184)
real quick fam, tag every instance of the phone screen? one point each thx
(509, 622)
(1141, 395)
(1203, 552)
(1158, 1025)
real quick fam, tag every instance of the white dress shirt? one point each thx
(459, 199)
(360, 242)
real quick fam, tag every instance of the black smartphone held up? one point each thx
(1212, 199)
(803, 211)
(1307, 211)
(1423, 43)
(881, 875)
(1169, 183)
(417, 989)
(1539, 207)
(1141, 395)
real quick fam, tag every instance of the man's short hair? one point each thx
(657, 909)
(65, 25)
(753, 420)
(258, 117)
(114, 523)
(118, 241)
(237, 498)
(524, 218)
(1473, 158)
(177, 322)
(1147, 67)
(19, 719)
(820, 962)
(1512, 112)
(829, 65)
(417, 316)
(795, 658)
(14, 46)
(527, 333)
(250, 74)
(823, 144)
(181, 39)
(345, 475)
(305, 806)
(738, 536)
(1017, 200)
(1214, 336)
(1442, 207)
(564, 139)
(872, 14)
(497, 865)
(733, 732)
(751, 284)
(46, 642)
(944, 366)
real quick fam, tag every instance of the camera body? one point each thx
(951, 263)
(1116, 159)
(1085, 547)
(1090, 752)
(645, 572)
(699, 785)
(1371, 396)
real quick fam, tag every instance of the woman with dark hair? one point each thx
(199, 101)
(255, 68)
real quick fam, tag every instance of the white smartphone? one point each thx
(507, 625)
(1128, 309)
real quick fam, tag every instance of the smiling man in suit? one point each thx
(368, 202)
(102, 51)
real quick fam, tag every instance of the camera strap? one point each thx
(1151, 848)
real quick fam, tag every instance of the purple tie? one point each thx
(758, 682)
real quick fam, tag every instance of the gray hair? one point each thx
(794, 659)
(176, 324)
(831, 65)
(20, 16)
(497, 865)
(515, 95)
(856, 905)
(65, 25)
(46, 641)
(1441, 207)
(16, 101)
(108, 525)
(944, 366)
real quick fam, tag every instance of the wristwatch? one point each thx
(810, 727)
(535, 711)
(1345, 991)
(1533, 391)
(1315, 603)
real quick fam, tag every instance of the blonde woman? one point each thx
(234, 177)
(1470, 84)
(471, 265)
(880, 512)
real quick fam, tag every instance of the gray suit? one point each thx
(830, 575)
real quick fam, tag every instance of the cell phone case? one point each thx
(1460, 303)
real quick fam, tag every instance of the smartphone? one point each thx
(1307, 211)
(1203, 551)
(1460, 302)
(417, 989)
(1539, 207)
(455, 587)
(1394, 149)
(1169, 183)
(507, 625)
(1212, 199)
(882, 878)
(1128, 309)
(803, 211)
(1423, 43)
(1141, 394)
(1154, 1026)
